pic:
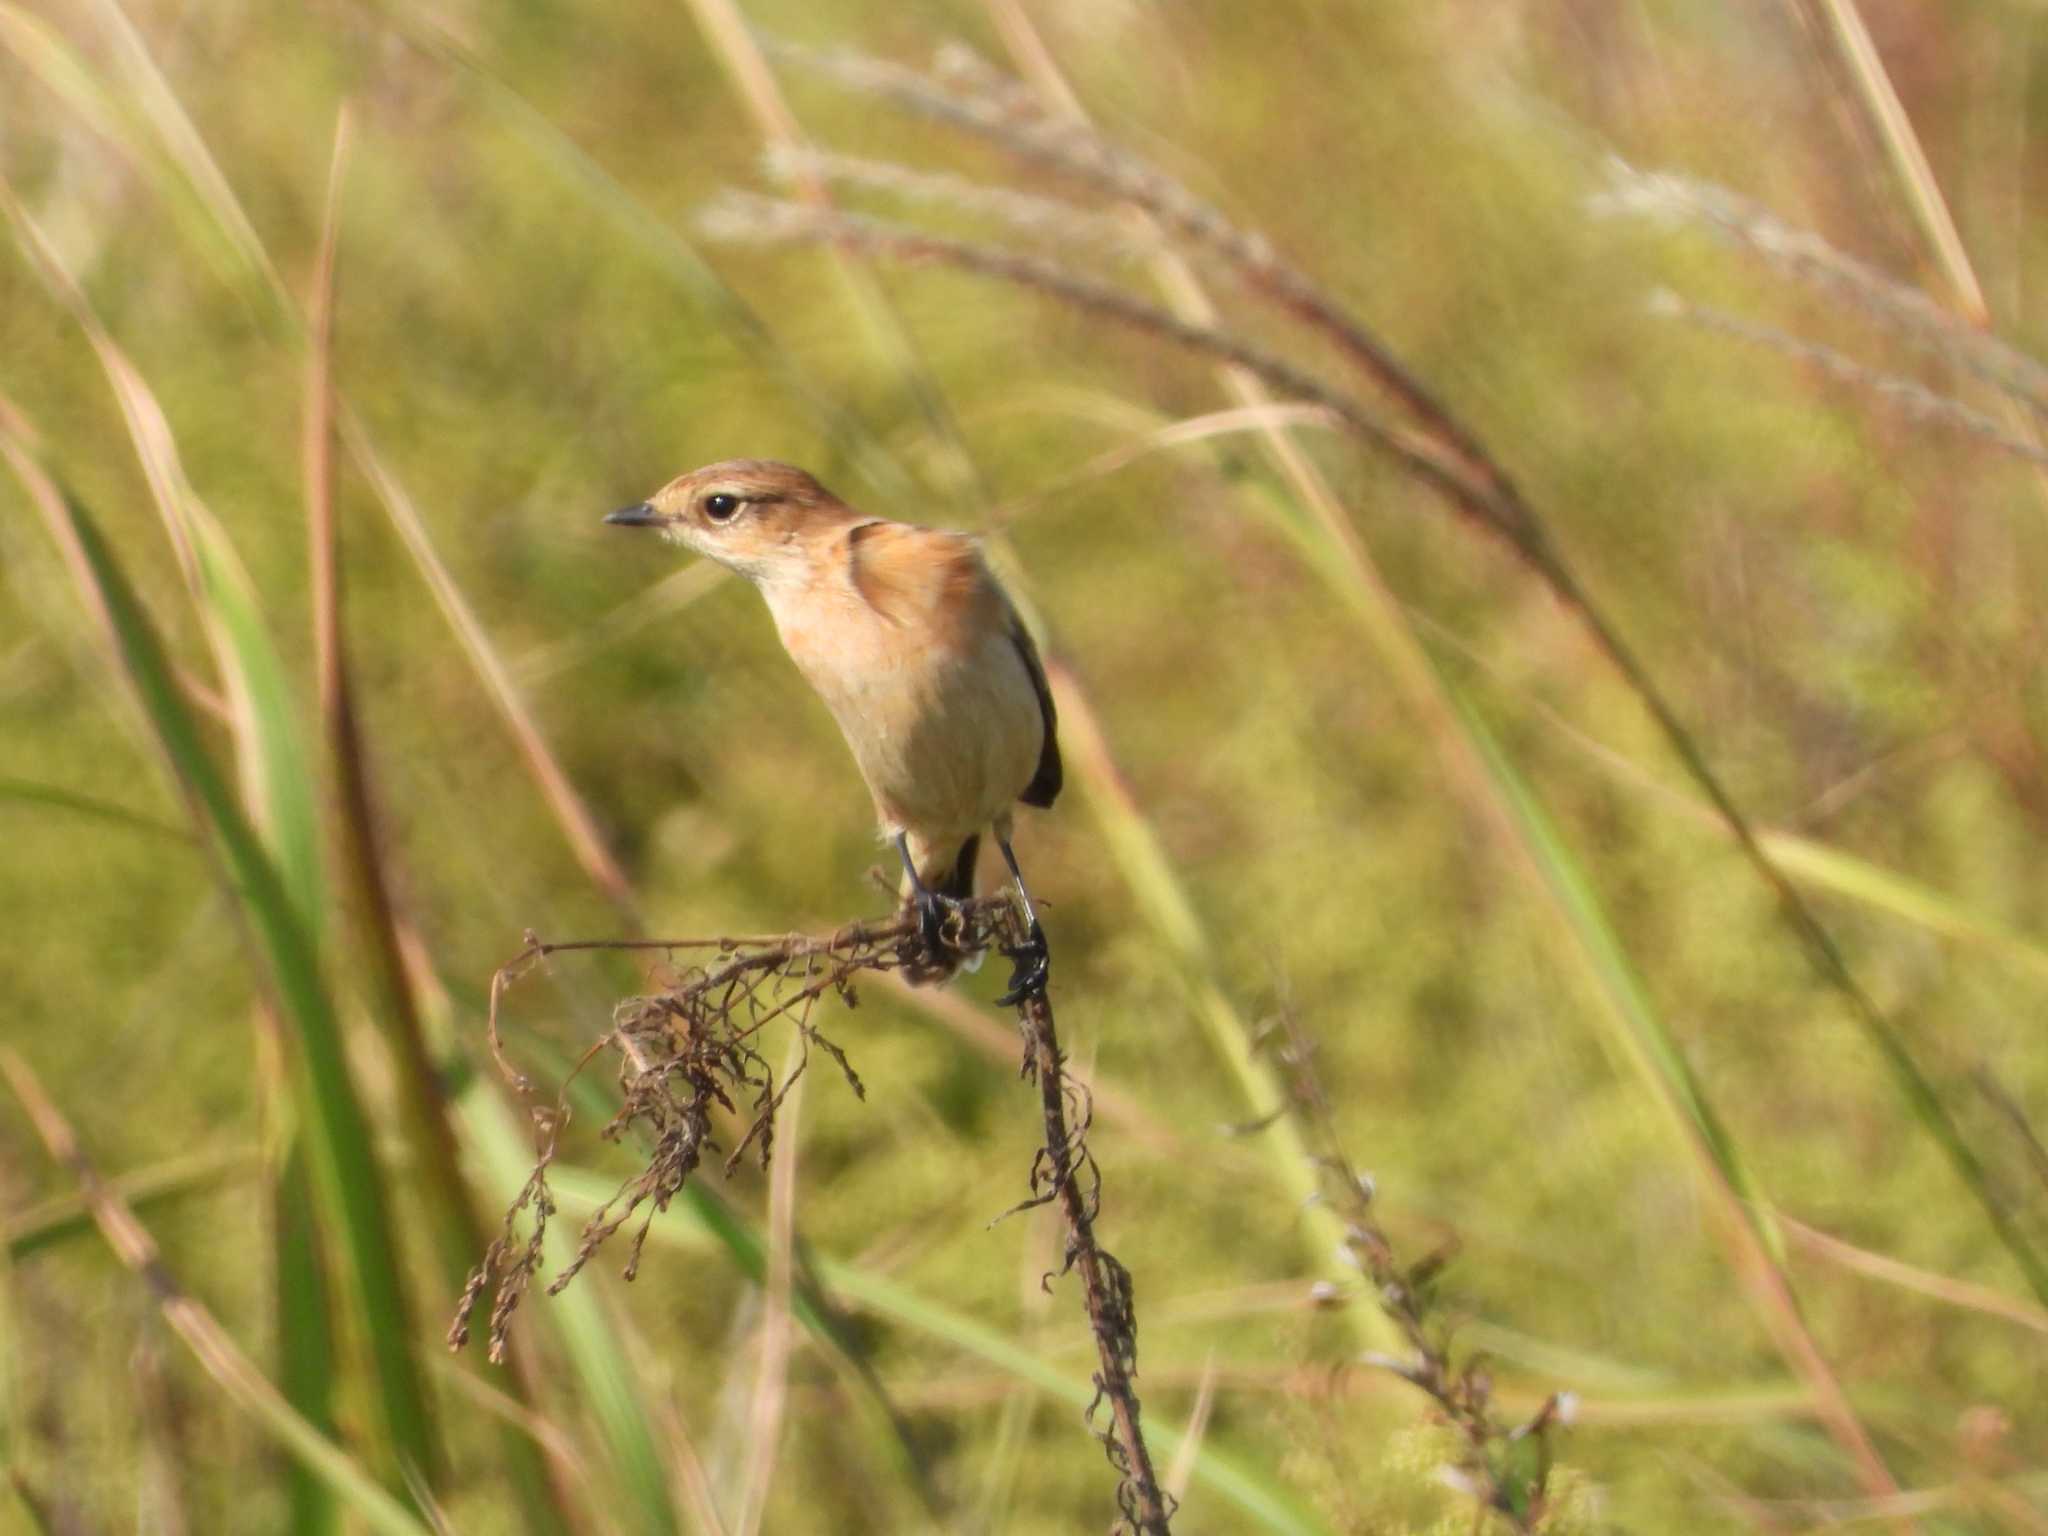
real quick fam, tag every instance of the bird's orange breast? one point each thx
(907, 640)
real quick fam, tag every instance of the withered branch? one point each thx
(691, 1049)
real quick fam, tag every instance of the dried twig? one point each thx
(684, 1052)
(694, 1047)
(1064, 1170)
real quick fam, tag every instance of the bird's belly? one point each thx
(946, 743)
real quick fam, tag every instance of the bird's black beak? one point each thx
(639, 515)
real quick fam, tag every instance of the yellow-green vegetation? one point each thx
(1548, 891)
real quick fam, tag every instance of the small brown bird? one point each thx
(917, 651)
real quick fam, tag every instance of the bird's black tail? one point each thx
(958, 882)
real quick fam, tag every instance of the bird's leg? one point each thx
(1032, 960)
(931, 906)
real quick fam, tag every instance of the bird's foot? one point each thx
(933, 912)
(1032, 965)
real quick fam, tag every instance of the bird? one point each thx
(921, 658)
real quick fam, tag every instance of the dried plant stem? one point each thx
(696, 1046)
(1806, 258)
(1058, 1173)
(1880, 98)
(998, 109)
(744, 216)
(1909, 395)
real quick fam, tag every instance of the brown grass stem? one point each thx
(1805, 257)
(1879, 98)
(739, 216)
(1006, 114)
(1909, 395)
(547, 1496)
(1064, 1170)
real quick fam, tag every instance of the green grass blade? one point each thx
(66, 1217)
(421, 1109)
(1844, 874)
(111, 113)
(12, 1399)
(843, 431)
(180, 145)
(218, 1354)
(753, 81)
(1814, 864)
(346, 1174)
(1645, 1042)
(1136, 852)
(1639, 1031)
(578, 823)
(276, 771)
(306, 1370)
(201, 177)
(54, 797)
(726, 1232)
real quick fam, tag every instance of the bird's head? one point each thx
(755, 516)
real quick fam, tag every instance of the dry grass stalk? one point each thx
(1046, 220)
(1909, 395)
(693, 1048)
(1805, 257)
(966, 93)
(742, 216)
(1064, 1170)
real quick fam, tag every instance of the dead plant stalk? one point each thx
(694, 1046)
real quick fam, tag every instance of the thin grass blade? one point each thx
(346, 1174)
(307, 1371)
(275, 770)
(741, 1244)
(740, 53)
(112, 113)
(216, 1352)
(1639, 1032)
(423, 1112)
(574, 817)
(840, 427)
(55, 797)
(765, 1422)
(67, 1217)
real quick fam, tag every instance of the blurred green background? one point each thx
(1393, 794)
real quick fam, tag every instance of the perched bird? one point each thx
(917, 651)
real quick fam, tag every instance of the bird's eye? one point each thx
(720, 508)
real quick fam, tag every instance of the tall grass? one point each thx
(308, 428)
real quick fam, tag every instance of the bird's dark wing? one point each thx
(1044, 787)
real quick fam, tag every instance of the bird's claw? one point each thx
(932, 912)
(1032, 962)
